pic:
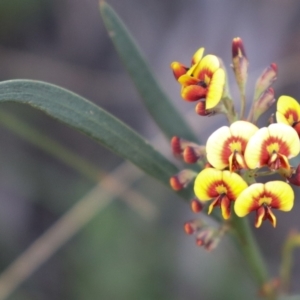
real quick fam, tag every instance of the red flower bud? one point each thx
(182, 179)
(178, 69)
(196, 206)
(265, 80)
(239, 63)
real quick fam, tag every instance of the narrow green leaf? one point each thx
(156, 101)
(90, 119)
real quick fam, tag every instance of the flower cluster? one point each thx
(236, 156)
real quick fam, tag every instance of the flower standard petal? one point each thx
(205, 183)
(283, 195)
(254, 154)
(247, 201)
(243, 129)
(288, 140)
(217, 152)
(282, 119)
(235, 182)
(207, 66)
(289, 108)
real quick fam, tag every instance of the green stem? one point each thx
(250, 249)
(264, 173)
(230, 112)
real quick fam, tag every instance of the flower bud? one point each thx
(176, 144)
(201, 110)
(212, 244)
(263, 103)
(265, 80)
(189, 228)
(239, 63)
(178, 69)
(191, 154)
(196, 205)
(205, 236)
(182, 179)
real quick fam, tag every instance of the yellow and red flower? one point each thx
(272, 146)
(179, 69)
(288, 112)
(204, 80)
(221, 186)
(262, 198)
(226, 146)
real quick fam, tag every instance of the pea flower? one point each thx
(221, 186)
(226, 146)
(204, 80)
(272, 146)
(288, 112)
(262, 198)
(179, 69)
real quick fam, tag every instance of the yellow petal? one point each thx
(254, 154)
(246, 201)
(243, 129)
(271, 217)
(260, 215)
(209, 63)
(288, 135)
(204, 181)
(282, 119)
(215, 88)
(215, 148)
(235, 183)
(282, 194)
(193, 92)
(289, 108)
(225, 207)
(197, 56)
(186, 80)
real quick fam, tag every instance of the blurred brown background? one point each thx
(119, 255)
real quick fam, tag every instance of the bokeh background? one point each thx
(121, 254)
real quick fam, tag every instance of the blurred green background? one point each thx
(120, 254)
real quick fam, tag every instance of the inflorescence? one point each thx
(236, 156)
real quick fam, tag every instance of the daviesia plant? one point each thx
(230, 165)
